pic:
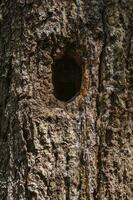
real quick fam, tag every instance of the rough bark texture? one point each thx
(66, 151)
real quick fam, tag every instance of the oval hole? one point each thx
(66, 77)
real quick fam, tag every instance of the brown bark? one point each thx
(74, 150)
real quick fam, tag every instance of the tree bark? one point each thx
(77, 150)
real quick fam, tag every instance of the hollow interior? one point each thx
(66, 77)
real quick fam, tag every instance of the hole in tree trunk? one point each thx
(66, 77)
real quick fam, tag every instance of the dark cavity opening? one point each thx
(66, 77)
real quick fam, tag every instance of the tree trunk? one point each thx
(56, 149)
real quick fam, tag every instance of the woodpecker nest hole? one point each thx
(66, 78)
